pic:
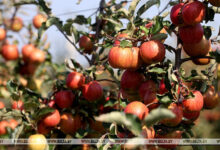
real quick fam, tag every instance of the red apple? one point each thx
(131, 80)
(152, 52)
(195, 103)
(2, 105)
(191, 34)
(38, 20)
(86, 43)
(10, 52)
(137, 108)
(19, 105)
(52, 119)
(27, 50)
(92, 91)
(2, 34)
(16, 24)
(211, 98)
(75, 80)
(178, 111)
(64, 99)
(175, 14)
(193, 12)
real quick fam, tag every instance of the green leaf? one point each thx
(43, 112)
(117, 23)
(12, 86)
(133, 6)
(158, 26)
(146, 30)
(10, 114)
(210, 14)
(146, 6)
(125, 43)
(216, 55)
(159, 36)
(17, 131)
(30, 105)
(207, 31)
(157, 70)
(198, 147)
(111, 71)
(81, 133)
(43, 5)
(158, 114)
(80, 19)
(120, 118)
(165, 99)
(52, 147)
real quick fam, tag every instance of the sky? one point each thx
(64, 9)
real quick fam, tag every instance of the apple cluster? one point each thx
(188, 17)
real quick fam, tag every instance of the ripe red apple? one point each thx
(148, 133)
(75, 80)
(37, 56)
(178, 111)
(2, 34)
(175, 14)
(191, 34)
(147, 86)
(152, 52)
(124, 58)
(10, 52)
(201, 61)
(191, 116)
(19, 105)
(16, 24)
(28, 68)
(27, 50)
(97, 126)
(92, 91)
(69, 124)
(195, 103)
(154, 104)
(215, 3)
(86, 43)
(12, 123)
(120, 37)
(171, 135)
(137, 108)
(136, 61)
(193, 13)
(2, 105)
(3, 125)
(52, 119)
(149, 97)
(211, 98)
(162, 87)
(131, 80)
(38, 20)
(198, 49)
(64, 99)
(42, 129)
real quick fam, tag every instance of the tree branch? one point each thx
(74, 45)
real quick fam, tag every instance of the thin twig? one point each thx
(164, 8)
(74, 45)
